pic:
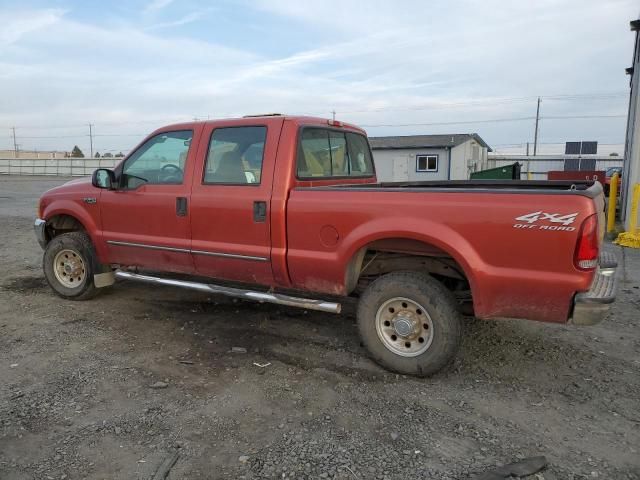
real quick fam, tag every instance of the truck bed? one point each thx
(514, 240)
(587, 188)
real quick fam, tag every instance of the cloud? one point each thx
(189, 18)
(15, 26)
(374, 62)
(156, 5)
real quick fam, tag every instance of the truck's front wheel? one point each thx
(409, 323)
(68, 265)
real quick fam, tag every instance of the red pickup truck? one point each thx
(288, 210)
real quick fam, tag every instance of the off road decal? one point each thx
(547, 221)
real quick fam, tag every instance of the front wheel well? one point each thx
(62, 223)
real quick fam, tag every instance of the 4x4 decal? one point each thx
(547, 221)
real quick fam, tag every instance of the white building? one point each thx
(428, 157)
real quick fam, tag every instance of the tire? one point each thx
(420, 313)
(76, 262)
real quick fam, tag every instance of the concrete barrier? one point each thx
(65, 167)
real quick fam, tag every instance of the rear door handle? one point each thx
(181, 206)
(259, 211)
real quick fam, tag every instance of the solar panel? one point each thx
(572, 148)
(571, 164)
(589, 148)
(588, 164)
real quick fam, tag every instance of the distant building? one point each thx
(428, 157)
(33, 154)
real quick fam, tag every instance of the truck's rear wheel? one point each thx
(409, 323)
(68, 265)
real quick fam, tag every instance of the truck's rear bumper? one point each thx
(592, 306)
(39, 226)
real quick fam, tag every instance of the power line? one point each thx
(494, 120)
(426, 124)
(481, 101)
(121, 134)
(593, 96)
(566, 117)
(83, 135)
(491, 101)
(54, 136)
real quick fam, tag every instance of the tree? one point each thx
(613, 154)
(97, 154)
(108, 155)
(76, 152)
(119, 155)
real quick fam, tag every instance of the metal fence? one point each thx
(540, 165)
(75, 167)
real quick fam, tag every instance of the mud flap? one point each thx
(101, 280)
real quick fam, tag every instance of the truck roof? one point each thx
(251, 120)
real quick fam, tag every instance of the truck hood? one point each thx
(82, 184)
(80, 180)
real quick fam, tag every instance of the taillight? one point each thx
(586, 257)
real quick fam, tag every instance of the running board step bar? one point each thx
(278, 298)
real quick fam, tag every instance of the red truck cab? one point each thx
(288, 210)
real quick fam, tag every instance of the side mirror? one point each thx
(103, 178)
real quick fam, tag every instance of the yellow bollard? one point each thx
(633, 224)
(613, 198)
(529, 176)
(632, 237)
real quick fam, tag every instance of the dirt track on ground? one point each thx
(76, 398)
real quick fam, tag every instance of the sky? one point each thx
(393, 67)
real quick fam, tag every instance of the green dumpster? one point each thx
(506, 172)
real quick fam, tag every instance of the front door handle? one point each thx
(259, 211)
(181, 206)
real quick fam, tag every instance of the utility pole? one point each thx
(333, 112)
(15, 144)
(91, 139)
(527, 149)
(535, 135)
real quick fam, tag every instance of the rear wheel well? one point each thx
(398, 254)
(59, 224)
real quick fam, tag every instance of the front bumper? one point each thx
(590, 307)
(39, 227)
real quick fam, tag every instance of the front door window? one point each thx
(159, 161)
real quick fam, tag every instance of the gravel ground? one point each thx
(112, 387)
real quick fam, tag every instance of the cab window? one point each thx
(332, 153)
(159, 161)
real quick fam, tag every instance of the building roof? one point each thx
(424, 141)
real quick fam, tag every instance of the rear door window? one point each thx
(235, 156)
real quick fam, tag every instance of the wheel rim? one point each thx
(69, 268)
(404, 327)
